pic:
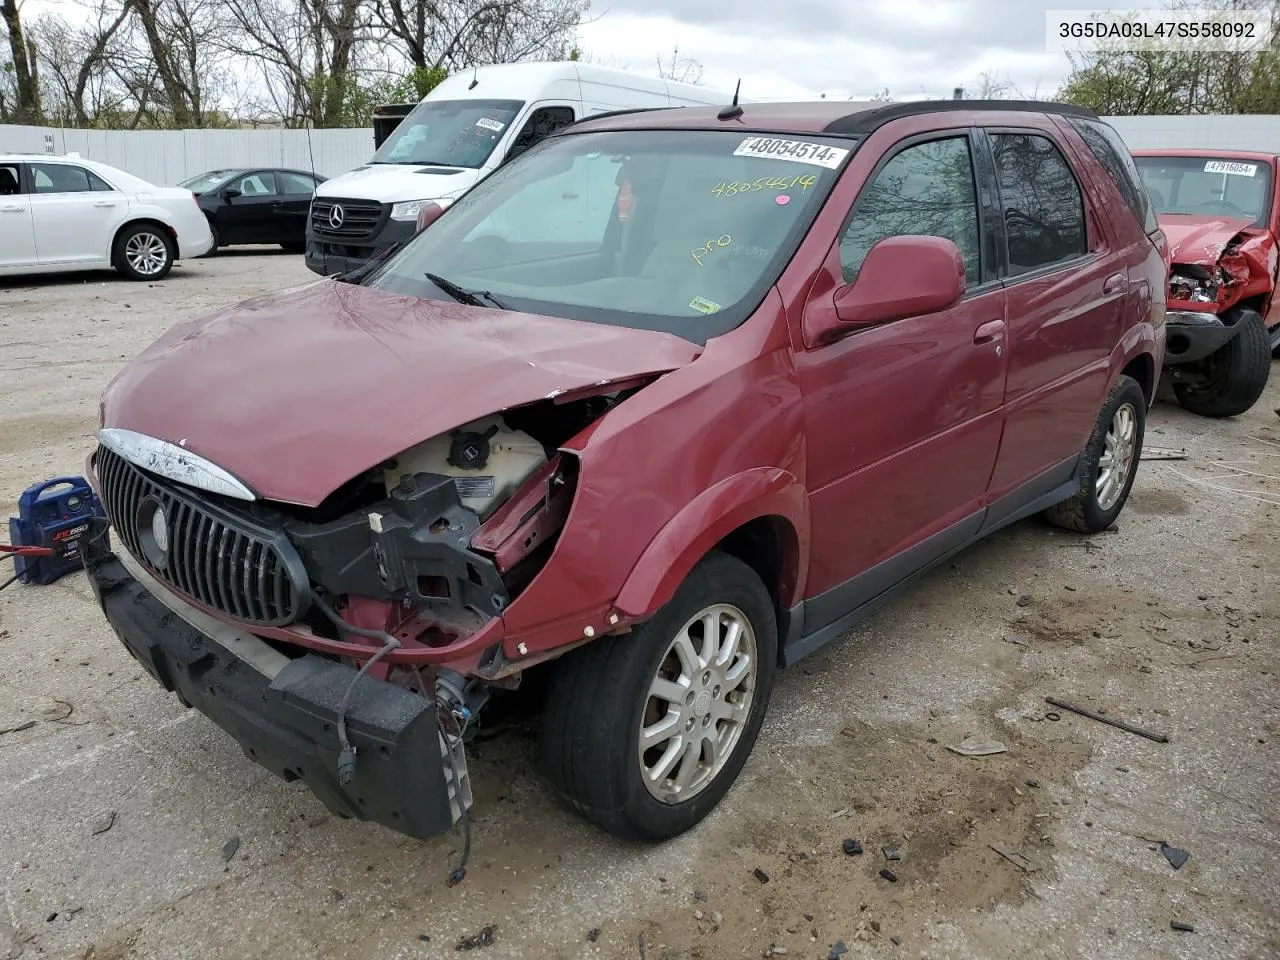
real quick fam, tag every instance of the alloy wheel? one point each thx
(698, 703)
(146, 253)
(1117, 456)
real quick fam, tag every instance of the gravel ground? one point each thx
(119, 805)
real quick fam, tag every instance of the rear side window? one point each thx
(1105, 144)
(1043, 207)
(926, 189)
(64, 178)
(296, 183)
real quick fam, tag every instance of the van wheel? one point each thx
(645, 732)
(143, 251)
(1109, 462)
(1234, 375)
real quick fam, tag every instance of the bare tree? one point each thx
(26, 107)
(678, 67)
(180, 35)
(75, 62)
(462, 33)
(304, 49)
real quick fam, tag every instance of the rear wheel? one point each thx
(143, 251)
(1108, 464)
(1231, 379)
(645, 732)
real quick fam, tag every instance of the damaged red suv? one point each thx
(662, 406)
(1221, 214)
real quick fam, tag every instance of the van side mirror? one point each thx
(902, 277)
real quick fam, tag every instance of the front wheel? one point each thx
(1108, 464)
(143, 251)
(1231, 379)
(645, 732)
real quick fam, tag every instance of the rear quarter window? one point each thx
(1110, 151)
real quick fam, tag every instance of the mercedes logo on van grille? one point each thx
(336, 216)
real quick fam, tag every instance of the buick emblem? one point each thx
(336, 216)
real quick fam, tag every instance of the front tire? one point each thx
(1234, 375)
(645, 732)
(143, 251)
(1109, 462)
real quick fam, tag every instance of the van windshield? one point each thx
(1207, 186)
(449, 133)
(681, 231)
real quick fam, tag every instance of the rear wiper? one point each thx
(474, 298)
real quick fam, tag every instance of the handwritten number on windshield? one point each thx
(804, 182)
(710, 246)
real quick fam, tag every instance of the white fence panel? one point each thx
(169, 156)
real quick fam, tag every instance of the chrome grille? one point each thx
(220, 560)
(361, 219)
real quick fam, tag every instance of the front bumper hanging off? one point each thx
(283, 712)
(1191, 335)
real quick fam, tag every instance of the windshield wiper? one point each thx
(474, 298)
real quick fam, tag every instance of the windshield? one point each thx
(449, 133)
(1207, 186)
(208, 181)
(679, 231)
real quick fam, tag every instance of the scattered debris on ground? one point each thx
(1017, 859)
(978, 747)
(1174, 855)
(230, 847)
(485, 938)
(1181, 927)
(1120, 724)
(760, 875)
(851, 847)
(1164, 453)
(104, 823)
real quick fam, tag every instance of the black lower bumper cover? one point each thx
(288, 723)
(1190, 337)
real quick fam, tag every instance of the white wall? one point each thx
(168, 156)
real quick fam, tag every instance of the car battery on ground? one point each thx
(45, 535)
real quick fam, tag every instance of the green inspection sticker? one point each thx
(703, 305)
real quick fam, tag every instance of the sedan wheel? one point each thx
(1117, 456)
(143, 252)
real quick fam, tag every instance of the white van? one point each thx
(461, 132)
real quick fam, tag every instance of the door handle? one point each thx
(1115, 283)
(12, 209)
(989, 331)
(104, 203)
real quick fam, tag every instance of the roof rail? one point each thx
(615, 113)
(866, 121)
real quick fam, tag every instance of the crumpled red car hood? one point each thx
(1200, 239)
(298, 392)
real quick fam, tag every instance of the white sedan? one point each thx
(64, 213)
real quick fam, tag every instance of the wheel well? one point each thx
(768, 546)
(168, 232)
(1143, 369)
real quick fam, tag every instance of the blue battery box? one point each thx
(53, 514)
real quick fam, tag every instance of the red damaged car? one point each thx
(667, 403)
(1219, 210)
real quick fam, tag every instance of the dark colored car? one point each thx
(666, 404)
(256, 206)
(1220, 211)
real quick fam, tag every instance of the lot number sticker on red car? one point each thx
(801, 151)
(1228, 166)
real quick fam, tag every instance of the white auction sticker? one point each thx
(801, 151)
(1229, 166)
(494, 125)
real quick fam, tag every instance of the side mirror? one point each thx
(902, 277)
(230, 193)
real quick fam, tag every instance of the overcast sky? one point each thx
(785, 49)
(843, 48)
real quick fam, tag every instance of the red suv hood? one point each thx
(298, 392)
(1200, 239)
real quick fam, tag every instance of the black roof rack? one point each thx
(866, 121)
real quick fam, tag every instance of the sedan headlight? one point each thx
(409, 209)
(1197, 289)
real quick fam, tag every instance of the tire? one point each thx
(1235, 375)
(599, 700)
(143, 251)
(1117, 435)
